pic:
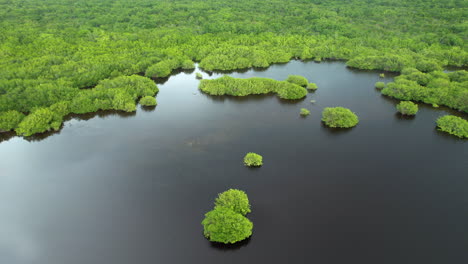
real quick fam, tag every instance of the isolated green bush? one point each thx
(407, 108)
(253, 160)
(339, 117)
(304, 112)
(379, 85)
(226, 226)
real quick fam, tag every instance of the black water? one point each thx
(134, 188)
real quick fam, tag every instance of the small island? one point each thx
(227, 85)
(339, 117)
(253, 160)
(407, 108)
(304, 112)
(227, 223)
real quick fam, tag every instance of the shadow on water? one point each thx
(230, 247)
(148, 108)
(334, 130)
(400, 116)
(5, 136)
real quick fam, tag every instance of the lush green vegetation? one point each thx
(198, 75)
(297, 79)
(380, 85)
(120, 93)
(235, 200)
(227, 85)
(436, 88)
(51, 49)
(148, 101)
(253, 160)
(312, 86)
(453, 125)
(304, 112)
(407, 108)
(227, 223)
(339, 117)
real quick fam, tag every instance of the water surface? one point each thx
(114, 188)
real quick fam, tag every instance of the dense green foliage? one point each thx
(312, 86)
(227, 223)
(380, 85)
(51, 49)
(407, 108)
(453, 125)
(339, 117)
(9, 120)
(304, 112)
(148, 101)
(437, 87)
(120, 93)
(226, 226)
(235, 200)
(227, 85)
(297, 79)
(198, 75)
(253, 160)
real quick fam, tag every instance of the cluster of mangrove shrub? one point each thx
(380, 85)
(120, 93)
(436, 88)
(198, 76)
(297, 79)
(148, 101)
(227, 223)
(304, 112)
(253, 160)
(339, 117)
(227, 85)
(49, 51)
(407, 108)
(312, 86)
(453, 125)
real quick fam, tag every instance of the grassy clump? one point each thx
(298, 80)
(304, 112)
(312, 86)
(382, 75)
(253, 160)
(407, 108)
(339, 117)
(227, 85)
(198, 75)
(227, 223)
(453, 125)
(148, 101)
(380, 85)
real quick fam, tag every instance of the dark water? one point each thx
(134, 188)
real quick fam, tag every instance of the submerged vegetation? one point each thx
(435, 88)
(453, 125)
(339, 117)
(253, 160)
(304, 112)
(227, 223)
(407, 108)
(227, 85)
